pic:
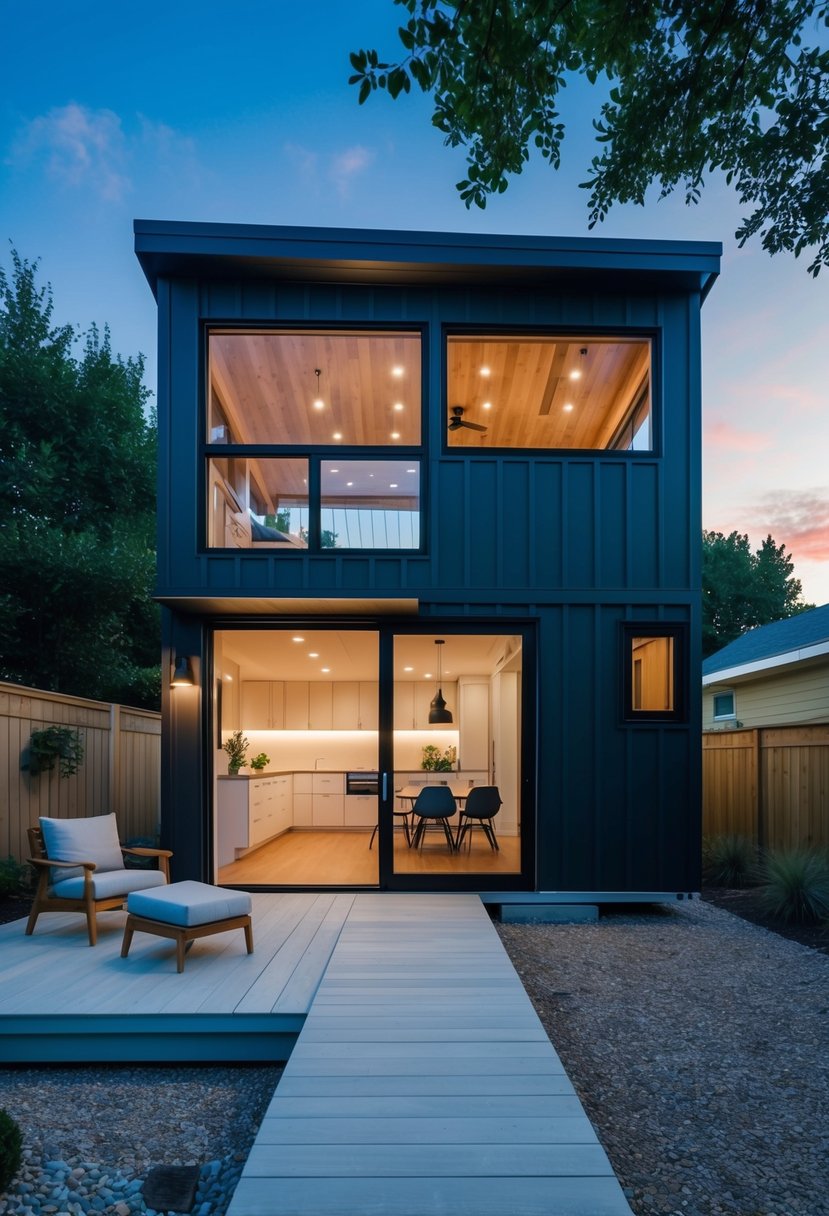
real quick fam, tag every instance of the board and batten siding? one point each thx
(775, 698)
(573, 542)
(119, 772)
(770, 784)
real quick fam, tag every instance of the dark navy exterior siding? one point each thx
(575, 543)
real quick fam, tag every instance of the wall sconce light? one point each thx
(182, 673)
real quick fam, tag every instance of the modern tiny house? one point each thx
(430, 498)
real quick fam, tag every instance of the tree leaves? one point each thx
(695, 86)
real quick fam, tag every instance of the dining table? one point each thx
(408, 793)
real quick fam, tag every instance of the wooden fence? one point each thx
(769, 784)
(120, 769)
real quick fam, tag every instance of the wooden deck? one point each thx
(423, 1084)
(62, 1001)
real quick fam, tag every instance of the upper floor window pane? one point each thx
(257, 503)
(314, 387)
(370, 504)
(543, 391)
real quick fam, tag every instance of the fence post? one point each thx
(115, 758)
(757, 781)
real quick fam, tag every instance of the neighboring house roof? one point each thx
(782, 643)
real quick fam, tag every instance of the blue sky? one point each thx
(243, 114)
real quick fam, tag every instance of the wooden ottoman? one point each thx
(185, 911)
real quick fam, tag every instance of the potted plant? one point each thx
(259, 762)
(436, 761)
(235, 746)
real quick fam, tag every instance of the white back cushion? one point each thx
(92, 839)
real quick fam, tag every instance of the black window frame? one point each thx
(678, 633)
(314, 454)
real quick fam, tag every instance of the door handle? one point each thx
(385, 786)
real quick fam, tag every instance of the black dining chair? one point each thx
(483, 803)
(433, 807)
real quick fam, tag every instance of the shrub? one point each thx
(794, 886)
(11, 1145)
(55, 743)
(14, 877)
(729, 861)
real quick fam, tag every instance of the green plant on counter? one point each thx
(53, 744)
(236, 747)
(436, 761)
(794, 886)
(259, 762)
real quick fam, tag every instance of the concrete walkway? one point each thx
(423, 1084)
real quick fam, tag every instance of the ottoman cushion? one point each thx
(189, 903)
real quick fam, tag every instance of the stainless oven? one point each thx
(362, 783)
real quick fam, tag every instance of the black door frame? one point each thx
(387, 627)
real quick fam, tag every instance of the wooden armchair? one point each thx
(80, 868)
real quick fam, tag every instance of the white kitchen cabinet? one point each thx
(345, 709)
(360, 811)
(302, 783)
(328, 783)
(404, 718)
(262, 705)
(251, 811)
(320, 706)
(473, 706)
(369, 715)
(302, 810)
(327, 810)
(296, 705)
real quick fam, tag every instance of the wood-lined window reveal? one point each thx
(546, 391)
(654, 673)
(257, 503)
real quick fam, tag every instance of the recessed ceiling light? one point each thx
(411, 470)
(567, 408)
(487, 405)
(325, 669)
(392, 485)
(333, 470)
(229, 679)
(337, 435)
(485, 371)
(398, 405)
(297, 639)
(349, 483)
(427, 675)
(395, 434)
(575, 374)
(319, 404)
(313, 654)
(408, 668)
(397, 371)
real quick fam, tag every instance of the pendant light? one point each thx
(437, 709)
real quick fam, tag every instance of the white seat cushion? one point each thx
(106, 884)
(189, 903)
(91, 839)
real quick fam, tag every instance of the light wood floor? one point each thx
(308, 858)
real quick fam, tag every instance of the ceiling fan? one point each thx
(457, 421)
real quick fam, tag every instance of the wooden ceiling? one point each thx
(266, 386)
(531, 381)
(263, 385)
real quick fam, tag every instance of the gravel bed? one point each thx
(699, 1045)
(91, 1134)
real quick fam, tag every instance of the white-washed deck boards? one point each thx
(423, 1084)
(61, 1000)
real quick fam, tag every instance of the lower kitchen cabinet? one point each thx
(360, 811)
(251, 811)
(327, 810)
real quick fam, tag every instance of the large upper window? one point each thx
(279, 404)
(544, 391)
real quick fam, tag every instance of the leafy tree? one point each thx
(741, 589)
(77, 506)
(691, 86)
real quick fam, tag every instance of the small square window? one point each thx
(724, 706)
(653, 673)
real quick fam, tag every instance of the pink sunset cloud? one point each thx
(721, 436)
(798, 518)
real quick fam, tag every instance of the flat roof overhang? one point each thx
(290, 606)
(177, 249)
